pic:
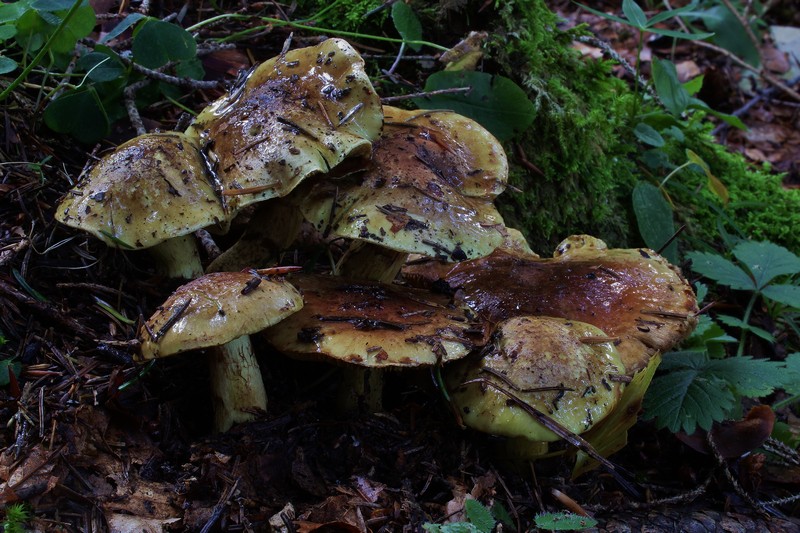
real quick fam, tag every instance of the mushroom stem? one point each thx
(178, 257)
(361, 390)
(236, 383)
(272, 229)
(364, 260)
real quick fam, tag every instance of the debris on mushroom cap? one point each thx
(373, 324)
(429, 189)
(297, 114)
(634, 295)
(554, 365)
(217, 308)
(149, 190)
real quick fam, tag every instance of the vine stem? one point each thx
(745, 320)
(296, 25)
(42, 51)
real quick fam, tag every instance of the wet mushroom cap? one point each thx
(373, 324)
(554, 365)
(217, 308)
(634, 295)
(429, 189)
(149, 190)
(297, 114)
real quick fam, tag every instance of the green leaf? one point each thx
(101, 67)
(670, 13)
(739, 323)
(496, 102)
(680, 34)
(120, 28)
(731, 120)
(783, 294)
(564, 521)
(714, 184)
(605, 15)
(7, 366)
(7, 31)
(479, 515)
(79, 113)
(648, 135)
(766, 261)
(694, 85)
(721, 270)
(53, 5)
(80, 25)
(407, 24)
(7, 65)
(791, 380)
(156, 43)
(634, 14)
(730, 34)
(669, 88)
(752, 378)
(654, 218)
(684, 398)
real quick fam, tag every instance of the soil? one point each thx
(94, 442)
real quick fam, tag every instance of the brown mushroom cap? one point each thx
(214, 309)
(429, 189)
(543, 362)
(150, 189)
(297, 114)
(372, 324)
(634, 295)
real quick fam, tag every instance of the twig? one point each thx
(158, 75)
(423, 94)
(761, 72)
(129, 95)
(610, 52)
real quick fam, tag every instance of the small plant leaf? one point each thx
(496, 102)
(479, 515)
(699, 36)
(564, 521)
(654, 218)
(635, 15)
(120, 28)
(648, 135)
(156, 43)
(686, 396)
(7, 366)
(669, 88)
(7, 31)
(606, 16)
(407, 24)
(766, 261)
(791, 380)
(783, 294)
(7, 65)
(79, 113)
(721, 270)
(101, 67)
(750, 377)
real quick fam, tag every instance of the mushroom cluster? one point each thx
(306, 136)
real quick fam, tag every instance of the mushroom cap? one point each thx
(150, 189)
(573, 378)
(373, 324)
(634, 295)
(429, 189)
(215, 309)
(297, 114)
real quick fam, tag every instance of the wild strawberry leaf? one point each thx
(766, 261)
(785, 294)
(721, 270)
(687, 397)
(750, 377)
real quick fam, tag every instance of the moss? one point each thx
(759, 208)
(346, 15)
(579, 140)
